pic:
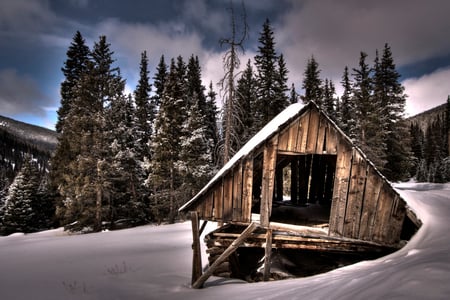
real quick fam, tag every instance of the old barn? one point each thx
(299, 195)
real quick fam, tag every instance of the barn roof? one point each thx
(267, 132)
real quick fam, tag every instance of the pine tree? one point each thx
(312, 84)
(417, 144)
(86, 175)
(74, 67)
(159, 81)
(389, 94)
(370, 132)
(348, 113)
(165, 177)
(19, 213)
(293, 96)
(329, 99)
(270, 80)
(211, 119)
(195, 158)
(145, 111)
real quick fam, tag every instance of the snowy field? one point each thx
(154, 262)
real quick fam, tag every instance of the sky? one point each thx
(35, 35)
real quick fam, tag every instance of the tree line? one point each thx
(125, 160)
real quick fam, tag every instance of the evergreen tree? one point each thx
(348, 113)
(329, 99)
(19, 213)
(74, 67)
(166, 146)
(86, 175)
(159, 81)
(312, 84)
(211, 119)
(271, 82)
(369, 127)
(195, 158)
(417, 144)
(145, 111)
(246, 100)
(293, 96)
(389, 94)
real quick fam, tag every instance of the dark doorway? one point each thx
(303, 189)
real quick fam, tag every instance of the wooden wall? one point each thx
(364, 205)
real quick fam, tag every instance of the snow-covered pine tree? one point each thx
(124, 194)
(389, 93)
(145, 112)
(195, 159)
(270, 80)
(74, 67)
(211, 119)
(159, 82)
(19, 214)
(329, 99)
(370, 130)
(246, 99)
(293, 95)
(312, 83)
(164, 178)
(86, 176)
(348, 113)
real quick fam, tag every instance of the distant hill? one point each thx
(42, 138)
(18, 139)
(425, 118)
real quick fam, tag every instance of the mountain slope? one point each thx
(43, 138)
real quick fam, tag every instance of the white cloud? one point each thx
(336, 31)
(427, 91)
(20, 94)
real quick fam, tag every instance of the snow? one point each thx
(154, 262)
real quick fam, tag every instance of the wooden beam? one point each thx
(268, 254)
(236, 243)
(197, 257)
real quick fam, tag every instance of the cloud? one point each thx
(23, 15)
(21, 95)
(336, 31)
(427, 91)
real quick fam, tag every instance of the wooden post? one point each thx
(197, 257)
(267, 255)
(236, 243)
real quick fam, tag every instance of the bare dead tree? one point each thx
(231, 63)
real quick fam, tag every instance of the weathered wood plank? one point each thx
(340, 190)
(322, 135)
(218, 201)
(208, 207)
(293, 135)
(267, 255)
(246, 233)
(237, 193)
(269, 164)
(355, 195)
(332, 140)
(381, 224)
(283, 141)
(371, 195)
(313, 130)
(197, 256)
(303, 132)
(227, 198)
(247, 190)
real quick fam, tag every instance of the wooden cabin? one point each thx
(300, 184)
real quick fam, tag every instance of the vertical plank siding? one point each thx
(324, 164)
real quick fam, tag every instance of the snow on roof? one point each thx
(271, 127)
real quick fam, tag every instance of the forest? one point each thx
(127, 160)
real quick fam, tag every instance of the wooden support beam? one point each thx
(197, 257)
(268, 254)
(236, 243)
(202, 228)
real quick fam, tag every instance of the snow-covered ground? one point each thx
(154, 262)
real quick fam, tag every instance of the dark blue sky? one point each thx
(35, 35)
